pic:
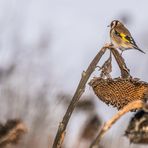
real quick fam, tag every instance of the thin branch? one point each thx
(138, 104)
(79, 91)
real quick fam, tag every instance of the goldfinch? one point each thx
(121, 38)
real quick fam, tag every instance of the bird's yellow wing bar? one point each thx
(124, 37)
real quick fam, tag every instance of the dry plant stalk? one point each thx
(79, 91)
(81, 88)
(138, 104)
(125, 72)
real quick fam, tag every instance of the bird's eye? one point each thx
(113, 24)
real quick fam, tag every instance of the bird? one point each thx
(121, 38)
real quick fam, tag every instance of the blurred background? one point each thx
(44, 47)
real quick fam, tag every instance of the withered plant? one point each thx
(125, 93)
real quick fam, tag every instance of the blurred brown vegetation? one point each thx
(11, 132)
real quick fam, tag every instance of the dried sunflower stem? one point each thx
(138, 104)
(79, 91)
(125, 72)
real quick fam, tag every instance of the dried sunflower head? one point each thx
(118, 92)
(137, 130)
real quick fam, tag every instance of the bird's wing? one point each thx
(126, 36)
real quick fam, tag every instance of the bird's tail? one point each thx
(140, 50)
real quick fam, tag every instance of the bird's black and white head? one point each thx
(115, 23)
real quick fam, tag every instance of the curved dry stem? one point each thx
(138, 104)
(125, 72)
(79, 91)
(81, 88)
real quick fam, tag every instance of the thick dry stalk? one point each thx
(138, 104)
(79, 91)
(125, 73)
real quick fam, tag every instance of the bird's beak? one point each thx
(108, 26)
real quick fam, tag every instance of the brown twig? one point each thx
(138, 104)
(79, 91)
(125, 72)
